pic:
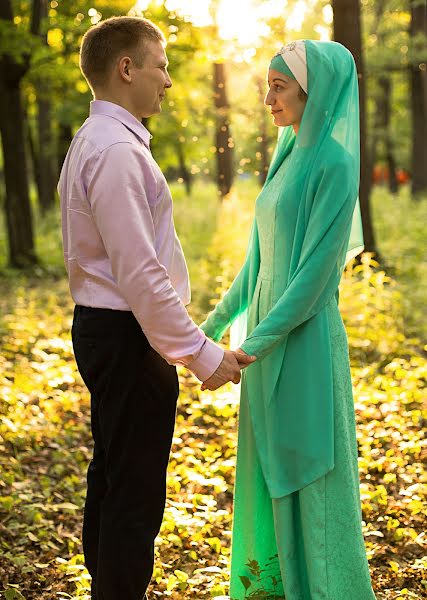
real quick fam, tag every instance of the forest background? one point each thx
(213, 141)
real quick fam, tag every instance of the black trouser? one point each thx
(133, 405)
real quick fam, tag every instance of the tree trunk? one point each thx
(183, 171)
(29, 135)
(383, 108)
(65, 137)
(347, 31)
(386, 91)
(418, 32)
(45, 150)
(17, 202)
(393, 185)
(382, 131)
(46, 190)
(224, 154)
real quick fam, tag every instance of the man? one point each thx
(129, 281)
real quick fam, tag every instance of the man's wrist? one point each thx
(207, 361)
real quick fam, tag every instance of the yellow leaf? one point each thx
(394, 566)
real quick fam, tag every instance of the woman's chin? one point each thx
(280, 121)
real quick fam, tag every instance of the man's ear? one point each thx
(124, 67)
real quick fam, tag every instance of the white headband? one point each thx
(295, 56)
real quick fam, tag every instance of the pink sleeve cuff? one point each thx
(207, 361)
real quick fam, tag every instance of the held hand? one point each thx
(228, 370)
(244, 359)
(219, 378)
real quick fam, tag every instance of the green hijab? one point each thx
(278, 64)
(347, 122)
(290, 386)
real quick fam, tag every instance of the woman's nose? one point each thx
(268, 100)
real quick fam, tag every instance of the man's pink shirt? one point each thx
(121, 250)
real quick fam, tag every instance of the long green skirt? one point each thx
(308, 545)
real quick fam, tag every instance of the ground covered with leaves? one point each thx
(45, 443)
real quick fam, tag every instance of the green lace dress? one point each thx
(307, 545)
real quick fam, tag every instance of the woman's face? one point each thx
(285, 99)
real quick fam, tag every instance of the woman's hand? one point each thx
(244, 359)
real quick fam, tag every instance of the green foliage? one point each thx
(184, 134)
(16, 42)
(266, 580)
(400, 230)
(389, 50)
(214, 238)
(45, 443)
(47, 241)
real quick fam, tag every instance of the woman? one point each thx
(297, 523)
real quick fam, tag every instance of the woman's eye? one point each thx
(277, 88)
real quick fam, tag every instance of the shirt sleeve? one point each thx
(317, 276)
(120, 192)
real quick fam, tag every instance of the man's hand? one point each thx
(228, 370)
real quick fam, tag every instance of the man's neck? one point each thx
(111, 98)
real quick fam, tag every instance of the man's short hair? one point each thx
(103, 44)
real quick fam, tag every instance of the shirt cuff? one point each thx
(207, 361)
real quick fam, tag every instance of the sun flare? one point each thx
(239, 20)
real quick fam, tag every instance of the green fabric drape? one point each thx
(290, 387)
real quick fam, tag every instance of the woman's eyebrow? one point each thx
(278, 79)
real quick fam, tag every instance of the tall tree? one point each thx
(381, 130)
(57, 67)
(14, 63)
(182, 137)
(223, 140)
(224, 152)
(384, 119)
(45, 152)
(418, 74)
(348, 31)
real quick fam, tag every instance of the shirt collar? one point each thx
(110, 109)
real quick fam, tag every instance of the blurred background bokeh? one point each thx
(215, 136)
(213, 140)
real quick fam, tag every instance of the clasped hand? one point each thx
(229, 369)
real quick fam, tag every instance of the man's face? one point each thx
(151, 80)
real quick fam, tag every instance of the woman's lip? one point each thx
(273, 112)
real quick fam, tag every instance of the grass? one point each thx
(400, 227)
(45, 440)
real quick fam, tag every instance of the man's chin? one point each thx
(154, 111)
